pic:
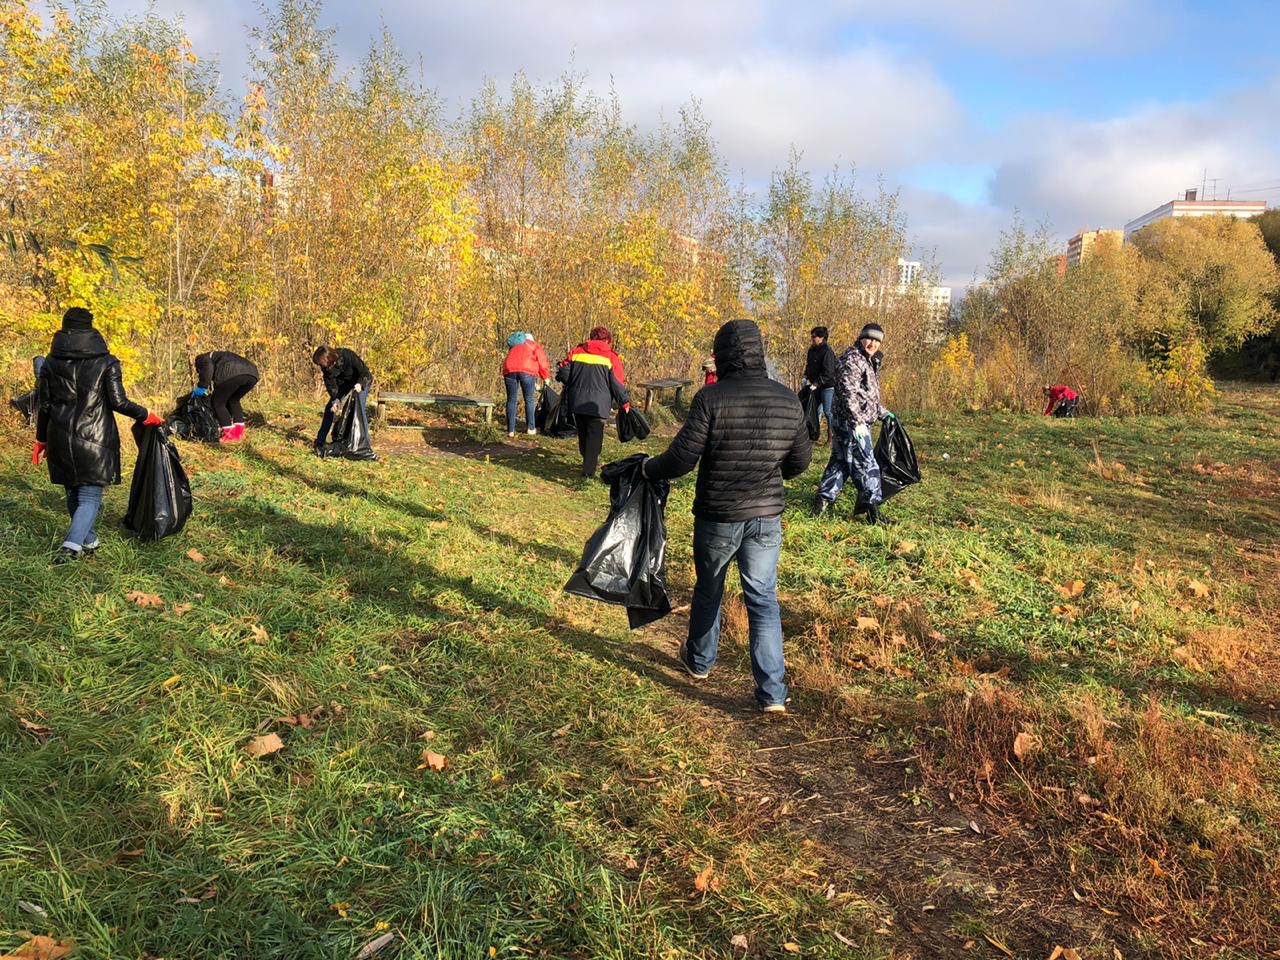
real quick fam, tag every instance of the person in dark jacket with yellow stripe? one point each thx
(746, 434)
(593, 377)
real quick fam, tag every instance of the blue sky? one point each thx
(1073, 114)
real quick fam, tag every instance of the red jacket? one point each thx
(528, 357)
(1060, 392)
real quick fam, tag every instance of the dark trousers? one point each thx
(328, 417)
(1066, 408)
(226, 399)
(590, 440)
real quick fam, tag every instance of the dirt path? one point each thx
(953, 882)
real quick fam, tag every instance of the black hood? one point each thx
(78, 344)
(739, 350)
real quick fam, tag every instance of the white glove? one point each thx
(335, 407)
(862, 432)
(357, 388)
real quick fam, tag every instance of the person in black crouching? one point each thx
(230, 376)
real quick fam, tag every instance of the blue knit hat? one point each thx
(517, 338)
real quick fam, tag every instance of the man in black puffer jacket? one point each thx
(80, 390)
(750, 435)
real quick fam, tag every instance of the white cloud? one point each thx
(1082, 173)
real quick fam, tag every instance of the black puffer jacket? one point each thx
(218, 366)
(80, 392)
(346, 373)
(748, 431)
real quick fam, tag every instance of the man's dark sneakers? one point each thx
(876, 518)
(64, 555)
(820, 506)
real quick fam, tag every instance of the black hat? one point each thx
(77, 318)
(872, 331)
(819, 332)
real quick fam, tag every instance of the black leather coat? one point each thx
(747, 430)
(80, 390)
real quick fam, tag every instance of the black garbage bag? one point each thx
(624, 562)
(351, 439)
(544, 413)
(632, 425)
(896, 456)
(561, 422)
(811, 400)
(25, 405)
(160, 494)
(193, 419)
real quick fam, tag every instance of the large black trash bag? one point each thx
(560, 421)
(160, 494)
(624, 562)
(632, 425)
(193, 419)
(544, 414)
(25, 405)
(351, 440)
(811, 400)
(896, 456)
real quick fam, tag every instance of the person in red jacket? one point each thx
(593, 377)
(525, 365)
(1062, 401)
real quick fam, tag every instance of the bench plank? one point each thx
(432, 399)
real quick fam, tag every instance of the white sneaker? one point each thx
(533, 432)
(511, 436)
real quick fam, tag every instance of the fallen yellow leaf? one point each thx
(791, 947)
(195, 555)
(41, 948)
(867, 623)
(144, 599)
(1025, 744)
(433, 761)
(1197, 589)
(264, 746)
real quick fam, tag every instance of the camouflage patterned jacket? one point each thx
(858, 388)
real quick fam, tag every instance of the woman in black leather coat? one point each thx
(79, 392)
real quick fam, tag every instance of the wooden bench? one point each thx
(655, 386)
(428, 400)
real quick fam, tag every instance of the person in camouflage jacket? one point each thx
(857, 407)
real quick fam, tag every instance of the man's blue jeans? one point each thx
(83, 504)
(756, 545)
(852, 458)
(826, 399)
(326, 421)
(515, 383)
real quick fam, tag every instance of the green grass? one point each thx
(419, 597)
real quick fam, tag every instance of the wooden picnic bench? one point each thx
(429, 400)
(655, 386)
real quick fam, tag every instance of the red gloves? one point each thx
(626, 407)
(152, 420)
(37, 452)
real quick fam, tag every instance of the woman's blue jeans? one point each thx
(515, 383)
(83, 504)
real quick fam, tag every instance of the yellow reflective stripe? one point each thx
(592, 358)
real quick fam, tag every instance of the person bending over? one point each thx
(230, 376)
(343, 372)
(1061, 401)
(525, 365)
(80, 390)
(746, 434)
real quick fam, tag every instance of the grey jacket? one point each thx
(858, 388)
